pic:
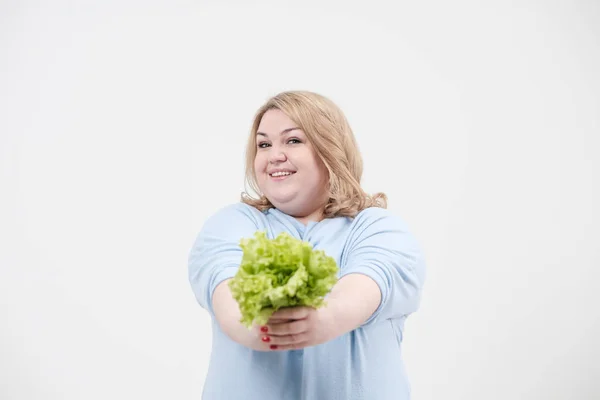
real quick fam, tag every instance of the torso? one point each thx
(363, 364)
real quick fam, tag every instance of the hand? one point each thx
(298, 327)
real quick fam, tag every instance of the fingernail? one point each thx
(266, 339)
(273, 347)
(264, 329)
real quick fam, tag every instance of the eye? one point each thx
(262, 145)
(294, 141)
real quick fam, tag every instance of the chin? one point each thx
(295, 208)
(283, 204)
(281, 197)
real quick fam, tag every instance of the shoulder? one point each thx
(384, 227)
(377, 217)
(239, 208)
(375, 212)
(386, 231)
(234, 214)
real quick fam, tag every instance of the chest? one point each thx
(334, 237)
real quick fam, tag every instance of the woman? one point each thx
(303, 160)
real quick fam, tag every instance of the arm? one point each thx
(381, 279)
(228, 316)
(386, 255)
(346, 309)
(214, 259)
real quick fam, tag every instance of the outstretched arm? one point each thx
(386, 252)
(351, 302)
(214, 259)
(382, 279)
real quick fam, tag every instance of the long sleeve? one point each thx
(216, 254)
(366, 363)
(383, 249)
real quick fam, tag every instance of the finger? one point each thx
(291, 328)
(295, 346)
(291, 313)
(275, 321)
(261, 330)
(287, 340)
(279, 320)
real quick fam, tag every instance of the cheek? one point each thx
(321, 171)
(324, 176)
(317, 166)
(317, 172)
(259, 164)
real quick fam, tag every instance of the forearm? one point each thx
(228, 316)
(352, 301)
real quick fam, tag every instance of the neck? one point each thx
(315, 216)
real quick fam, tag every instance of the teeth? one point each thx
(281, 173)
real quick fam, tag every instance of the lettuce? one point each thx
(282, 272)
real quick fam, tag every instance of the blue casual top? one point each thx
(365, 363)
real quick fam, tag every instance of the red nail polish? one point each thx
(266, 339)
(264, 329)
(273, 347)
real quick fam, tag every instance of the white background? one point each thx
(123, 124)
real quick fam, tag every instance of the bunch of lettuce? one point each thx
(282, 272)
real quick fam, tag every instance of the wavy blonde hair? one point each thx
(329, 132)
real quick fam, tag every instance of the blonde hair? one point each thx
(327, 128)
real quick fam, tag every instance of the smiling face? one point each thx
(288, 171)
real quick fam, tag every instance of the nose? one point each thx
(277, 156)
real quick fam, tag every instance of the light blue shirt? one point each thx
(363, 364)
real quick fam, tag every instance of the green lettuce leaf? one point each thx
(282, 272)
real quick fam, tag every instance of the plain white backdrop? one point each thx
(123, 124)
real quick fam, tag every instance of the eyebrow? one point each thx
(281, 133)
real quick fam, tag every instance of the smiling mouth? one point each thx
(281, 174)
